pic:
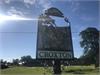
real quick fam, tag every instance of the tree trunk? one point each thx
(97, 61)
(57, 67)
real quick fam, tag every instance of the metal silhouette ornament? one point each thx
(46, 20)
(54, 12)
(53, 42)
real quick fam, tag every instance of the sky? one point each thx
(19, 37)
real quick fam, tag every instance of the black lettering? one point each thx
(41, 54)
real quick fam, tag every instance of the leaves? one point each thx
(90, 43)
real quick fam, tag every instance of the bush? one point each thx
(3, 66)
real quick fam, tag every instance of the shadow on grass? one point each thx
(79, 71)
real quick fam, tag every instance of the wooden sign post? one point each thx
(53, 42)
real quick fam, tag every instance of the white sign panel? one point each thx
(54, 55)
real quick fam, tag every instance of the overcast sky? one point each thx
(18, 38)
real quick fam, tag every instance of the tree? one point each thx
(90, 43)
(3, 64)
(16, 62)
(27, 60)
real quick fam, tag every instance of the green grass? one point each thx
(77, 70)
(70, 70)
(25, 70)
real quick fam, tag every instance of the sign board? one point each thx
(54, 42)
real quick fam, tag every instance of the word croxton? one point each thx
(54, 54)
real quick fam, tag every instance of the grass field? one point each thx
(70, 70)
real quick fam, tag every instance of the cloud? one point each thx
(1, 2)
(24, 7)
(31, 2)
(7, 1)
(8, 7)
(45, 4)
(13, 11)
(75, 5)
(87, 18)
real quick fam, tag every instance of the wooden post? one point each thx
(57, 67)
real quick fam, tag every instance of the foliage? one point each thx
(27, 60)
(3, 64)
(90, 43)
(16, 62)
